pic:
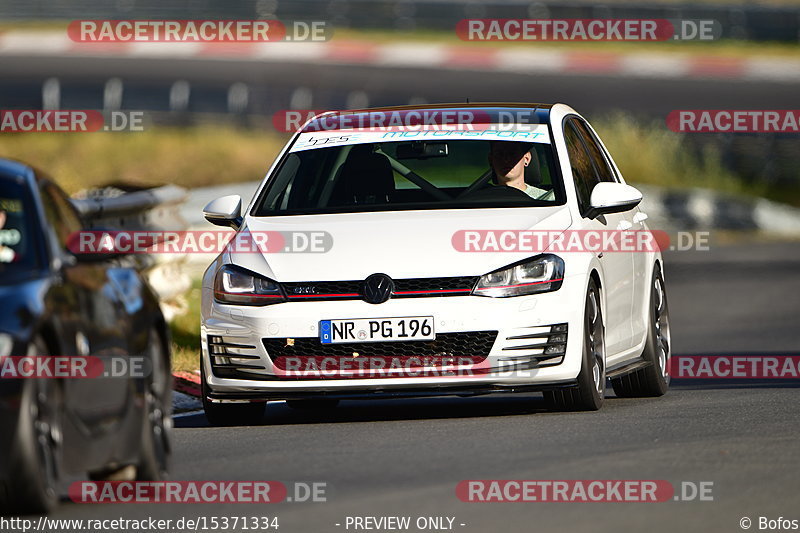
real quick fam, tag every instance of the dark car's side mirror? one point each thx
(225, 211)
(612, 197)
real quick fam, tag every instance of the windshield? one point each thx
(18, 251)
(357, 171)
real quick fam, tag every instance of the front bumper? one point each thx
(508, 362)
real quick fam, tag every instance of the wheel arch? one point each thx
(595, 275)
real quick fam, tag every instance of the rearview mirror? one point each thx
(612, 197)
(225, 211)
(421, 150)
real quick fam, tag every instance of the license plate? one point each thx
(410, 328)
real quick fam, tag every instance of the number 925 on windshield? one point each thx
(409, 328)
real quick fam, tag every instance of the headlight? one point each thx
(542, 274)
(6, 343)
(234, 285)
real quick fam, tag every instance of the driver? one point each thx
(508, 160)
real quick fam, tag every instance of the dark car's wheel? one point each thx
(652, 380)
(589, 393)
(157, 420)
(315, 403)
(230, 414)
(37, 446)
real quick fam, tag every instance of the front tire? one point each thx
(37, 445)
(589, 393)
(157, 417)
(653, 380)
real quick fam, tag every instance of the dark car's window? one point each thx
(583, 171)
(366, 177)
(604, 169)
(19, 249)
(61, 216)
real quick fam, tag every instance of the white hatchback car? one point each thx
(478, 255)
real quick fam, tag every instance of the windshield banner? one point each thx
(531, 133)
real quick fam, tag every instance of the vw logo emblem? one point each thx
(377, 288)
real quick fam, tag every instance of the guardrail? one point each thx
(153, 209)
(743, 22)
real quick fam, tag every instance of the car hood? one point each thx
(402, 244)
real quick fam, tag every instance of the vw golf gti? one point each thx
(440, 266)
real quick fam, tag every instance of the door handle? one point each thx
(639, 217)
(624, 225)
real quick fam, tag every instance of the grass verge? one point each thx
(186, 333)
(189, 157)
(648, 153)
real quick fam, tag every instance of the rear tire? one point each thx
(589, 393)
(653, 380)
(229, 414)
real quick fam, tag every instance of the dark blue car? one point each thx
(87, 306)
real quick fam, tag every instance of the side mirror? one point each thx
(225, 211)
(612, 197)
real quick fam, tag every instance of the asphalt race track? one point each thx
(147, 83)
(405, 457)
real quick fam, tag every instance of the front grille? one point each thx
(433, 286)
(472, 345)
(403, 288)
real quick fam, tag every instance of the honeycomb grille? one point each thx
(472, 345)
(403, 288)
